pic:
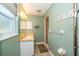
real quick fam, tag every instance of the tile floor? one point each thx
(37, 52)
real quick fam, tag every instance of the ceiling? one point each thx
(11, 7)
(38, 9)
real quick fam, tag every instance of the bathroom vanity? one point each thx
(27, 44)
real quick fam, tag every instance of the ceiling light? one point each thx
(23, 15)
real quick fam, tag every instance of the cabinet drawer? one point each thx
(30, 43)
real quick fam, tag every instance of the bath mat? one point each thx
(42, 48)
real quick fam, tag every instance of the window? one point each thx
(7, 23)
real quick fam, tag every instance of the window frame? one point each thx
(14, 23)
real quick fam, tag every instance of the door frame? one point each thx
(46, 30)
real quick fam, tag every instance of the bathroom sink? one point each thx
(26, 37)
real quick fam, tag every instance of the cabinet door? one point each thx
(27, 48)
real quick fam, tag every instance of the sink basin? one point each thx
(26, 37)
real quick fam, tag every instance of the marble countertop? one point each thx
(26, 37)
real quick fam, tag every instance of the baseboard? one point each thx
(39, 42)
(46, 46)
